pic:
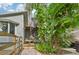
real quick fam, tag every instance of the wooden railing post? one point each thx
(14, 42)
(19, 43)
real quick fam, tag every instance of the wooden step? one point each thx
(9, 50)
(6, 52)
(29, 45)
(29, 41)
(4, 46)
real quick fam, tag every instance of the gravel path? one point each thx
(30, 51)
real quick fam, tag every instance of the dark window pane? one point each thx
(12, 28)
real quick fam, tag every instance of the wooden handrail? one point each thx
(6, 34)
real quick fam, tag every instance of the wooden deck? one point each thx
(10, 46)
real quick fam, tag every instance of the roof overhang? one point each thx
(9, 21)
(13, 13)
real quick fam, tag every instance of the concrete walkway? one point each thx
(30, 51)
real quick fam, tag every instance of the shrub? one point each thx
(45, 48)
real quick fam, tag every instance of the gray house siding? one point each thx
(19, 30)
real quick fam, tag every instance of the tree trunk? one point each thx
(56, 44)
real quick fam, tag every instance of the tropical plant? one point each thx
(55, 23)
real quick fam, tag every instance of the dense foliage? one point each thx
(55, 22)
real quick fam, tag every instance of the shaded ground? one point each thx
(30, 51)
(70, 51)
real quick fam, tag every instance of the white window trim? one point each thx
(8, 27)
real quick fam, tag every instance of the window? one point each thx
(12, 28)
(3, 27)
